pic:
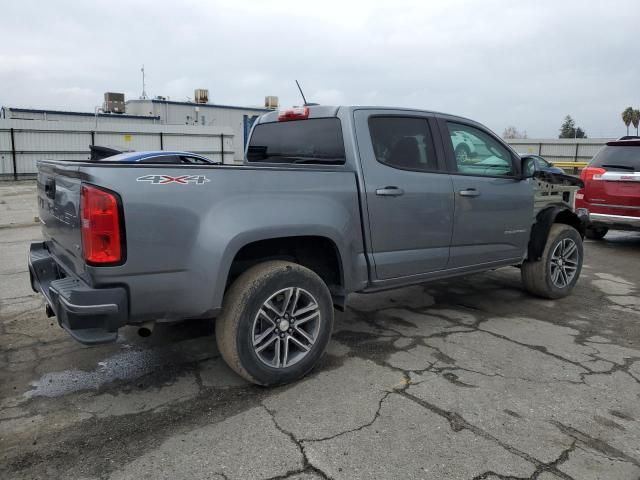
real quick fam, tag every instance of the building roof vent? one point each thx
(271, 102)
(201, 95)
(113, 103)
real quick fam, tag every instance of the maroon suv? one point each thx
(611, 190)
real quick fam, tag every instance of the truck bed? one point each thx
(184, 224)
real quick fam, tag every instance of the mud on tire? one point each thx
(271, 307)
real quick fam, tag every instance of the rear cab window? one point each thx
(313, 140)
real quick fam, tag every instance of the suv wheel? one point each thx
(276, 322)
(596, 233)
(557, 272)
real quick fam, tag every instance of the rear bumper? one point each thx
(619, 222)
(90, 315)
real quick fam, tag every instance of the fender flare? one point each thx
(544, 220)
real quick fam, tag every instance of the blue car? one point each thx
(155, 156)
(160, 156)
(541, 164)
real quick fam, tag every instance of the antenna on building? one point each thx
(144, 93)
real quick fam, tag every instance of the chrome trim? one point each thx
(608, 205)
(615, 219)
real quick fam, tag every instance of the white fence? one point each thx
(24, 142)
(560, 150)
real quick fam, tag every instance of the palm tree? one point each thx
(635, 119)
(627, 116)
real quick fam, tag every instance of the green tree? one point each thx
(627, 117)
(568, 129)
(635, 119)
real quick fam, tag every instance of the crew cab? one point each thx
(330, 201)
(611, 190)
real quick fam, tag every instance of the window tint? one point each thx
(478, 153)
(317, 140)
(620, 158)
(403, 142)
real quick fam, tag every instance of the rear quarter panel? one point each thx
(182, 238)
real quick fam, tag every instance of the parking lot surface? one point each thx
(464, 379)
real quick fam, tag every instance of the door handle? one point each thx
(469, 192)
(389, 192)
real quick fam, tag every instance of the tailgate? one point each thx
(619, 190)
(59, 211)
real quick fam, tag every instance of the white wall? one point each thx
(175, 113)
(560, 149)
(34, 140)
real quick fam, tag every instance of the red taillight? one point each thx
(101, 239)
(295, 113)
(591, 173)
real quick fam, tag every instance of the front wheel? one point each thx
(557, 272)
(276, 322)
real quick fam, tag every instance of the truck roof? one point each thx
(323, 111)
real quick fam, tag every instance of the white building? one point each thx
(194, 117)
(170, 112)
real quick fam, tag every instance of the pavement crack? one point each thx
(307, 466)
(624, 367)
(595, 444)
(356, 429)
(458, 423)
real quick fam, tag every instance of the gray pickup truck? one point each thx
(330, 201)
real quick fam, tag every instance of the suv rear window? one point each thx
(315, 140)
(618, 157)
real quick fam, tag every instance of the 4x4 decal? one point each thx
(182, 179)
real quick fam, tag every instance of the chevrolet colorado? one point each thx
(329, 201)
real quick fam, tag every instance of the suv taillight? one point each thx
(587, 175)
(591, 173)
(101, 234)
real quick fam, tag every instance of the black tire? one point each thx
(241, 307)
(463, 153)
(537, 276)
(596, 233)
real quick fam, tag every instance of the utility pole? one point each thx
(144, 93)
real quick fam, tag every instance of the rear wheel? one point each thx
(596, 233)
(558, 270)
(276, 323)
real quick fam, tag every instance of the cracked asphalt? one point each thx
(462, 379)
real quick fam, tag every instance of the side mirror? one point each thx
(527, 167)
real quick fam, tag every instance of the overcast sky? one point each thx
(524, 63)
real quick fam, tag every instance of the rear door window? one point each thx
(618, 158)
(403, 142)
(315, 140)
